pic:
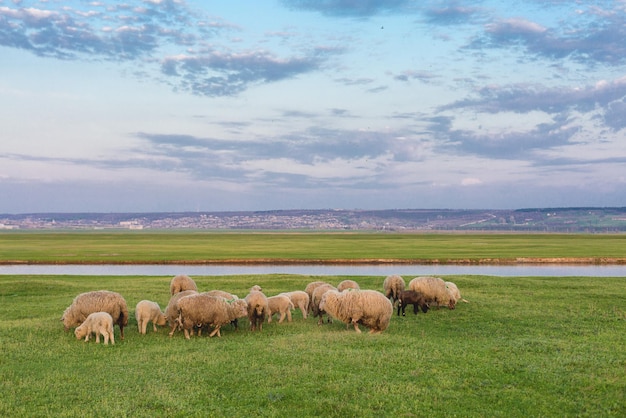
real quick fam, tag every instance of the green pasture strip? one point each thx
(522, 346)
(198, 247)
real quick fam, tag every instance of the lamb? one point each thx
(347, 284)
(369, 308)
(147, 311)
(280, 304)
(181, 283)
(96, 301)
(393, 285)
(411, 297)
(97, 323)
(202, 309)
(310, 288)
(300, 299)
(455, 292)
(434, 291)
(257, 309)
(315, 303)
(171, 311)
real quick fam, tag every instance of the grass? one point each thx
(525, 346)
(202, 247)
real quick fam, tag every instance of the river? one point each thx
(409, 270)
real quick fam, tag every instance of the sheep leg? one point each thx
(186, 331)
(112, 337)
(216, 331)
(139, 326)
(106, 337)
(154, 328)
(356, 326)
(282, 318)
(289, 315)
(97, 337)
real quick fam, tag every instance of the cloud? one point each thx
(351, 8)
(450, 14)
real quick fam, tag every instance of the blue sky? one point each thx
(165, 105)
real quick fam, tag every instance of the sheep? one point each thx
(96, 301)
(279, 304)
(300, 299)
(434, 291)
(229, 297)
(97, 323)
(257, 309)
(315, 303)
(201, 309)
(310, 288)
(181, 283)
(257, 288)
(455, 292)
(393, 285)
(347, 284)
(369, 308)
(411, 297)
(171, 311)
(147, 311)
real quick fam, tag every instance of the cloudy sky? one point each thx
(172, 105)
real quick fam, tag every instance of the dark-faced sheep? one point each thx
(99, 323)
(258, 309)
(347, 284)
(149, 311)
(318, 293)
(171, 311)
(181, 283)
(201, 309)
(411, 297)
(369, 308)
(393, 285)
(300, 299)
(434, 291)
(97, 301)
(280, 304)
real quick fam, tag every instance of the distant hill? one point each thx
(589, 219)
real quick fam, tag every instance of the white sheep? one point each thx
(146, 311)
(369, 308)
(96, 301)
(257, 309)
(347, 284)
(300, 299)
(317, 298)
(455, 292)
(171, 311)
(309, 289)
(280, 304)
(181, 283)
(393, 286)
(201, 309)
(434, 291)
(97, 323)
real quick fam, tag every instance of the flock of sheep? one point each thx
(191, 311)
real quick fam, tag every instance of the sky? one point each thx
(172, 105)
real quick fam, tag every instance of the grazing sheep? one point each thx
(181, 283)
(434, 291)
(97, 323)
(280, 304)
(96, 301)
(257, 309)
(392, 287)
(256, 287)
(348, 284)
(315, 303)
(369, 308)
(171, 311)
(310, 288)
(228, 297)
(300, 299)
(147, 311)
(411, 297)
(201, 309)
(455, 292)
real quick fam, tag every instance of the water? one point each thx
(551, 270)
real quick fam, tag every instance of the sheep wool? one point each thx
(258, 309)
(181, 283)
(300, 299)
(434, 291)
(393, 285)
(201, 309)
(369, 308)
(96, 301)
(310, 288)
(171, 311)
(99, 323)
(280, 304)
(147, 311)
(347, 284)
(318, 293)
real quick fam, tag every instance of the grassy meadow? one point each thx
(524, 346)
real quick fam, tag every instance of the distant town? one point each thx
(595, 220)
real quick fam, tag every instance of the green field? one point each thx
(522, 347)
(202, 247)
